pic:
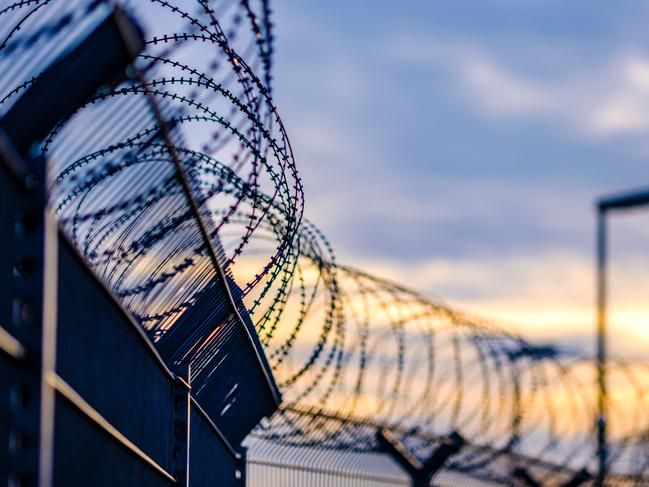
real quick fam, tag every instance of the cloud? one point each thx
(626, 106)
(603, 99)
(460, 159)
(501, 92)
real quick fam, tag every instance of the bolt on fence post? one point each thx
(241, 474)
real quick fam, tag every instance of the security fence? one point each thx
(273, 465)
(96, 405)
(139, 174)
(87, 398)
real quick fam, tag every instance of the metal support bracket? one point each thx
(420, 472)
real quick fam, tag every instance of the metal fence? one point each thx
(276, 474)
(274, 465)
(85, 398)
(94, 392)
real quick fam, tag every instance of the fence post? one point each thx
(182, 411)
(30, 333)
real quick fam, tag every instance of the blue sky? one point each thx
(458, 146)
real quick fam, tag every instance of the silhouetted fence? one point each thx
(85, 396)
(119, 416)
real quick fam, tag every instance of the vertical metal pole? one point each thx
(48, 352)
(34, 300)
(182, 415)
(601, 346)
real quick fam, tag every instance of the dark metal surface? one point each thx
(627, 200)
(27, 322)
(209, 462)
(86, 455)
(98, 344)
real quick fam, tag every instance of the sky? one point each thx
(458, 147)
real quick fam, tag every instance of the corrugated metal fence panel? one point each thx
(210, 462)
(273, 464)
(228, 371)
(236, 395)
(105, 358)
(87, 456)
(265, 474)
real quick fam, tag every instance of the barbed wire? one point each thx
(423, 369)
(351, 352)
(138, 169)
